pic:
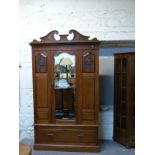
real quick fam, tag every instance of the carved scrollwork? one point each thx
(49, 36)
(77, 37)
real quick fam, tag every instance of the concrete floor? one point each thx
(108, 148)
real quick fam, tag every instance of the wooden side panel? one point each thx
(88, 100)
(42, 111)
(88, 94)
(89, 87)
(41, 91)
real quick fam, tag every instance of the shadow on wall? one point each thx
(106, 105)
(106, 91)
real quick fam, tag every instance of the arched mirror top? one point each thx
(64, 59)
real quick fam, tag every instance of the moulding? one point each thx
(117, 43)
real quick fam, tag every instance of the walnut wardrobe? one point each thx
(66, 92)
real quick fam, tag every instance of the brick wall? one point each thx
(104, 19)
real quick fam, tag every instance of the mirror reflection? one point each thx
(65, 77)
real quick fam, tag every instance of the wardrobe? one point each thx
(66, 92)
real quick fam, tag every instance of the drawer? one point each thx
(67, 135)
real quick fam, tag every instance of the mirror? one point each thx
(64, 84)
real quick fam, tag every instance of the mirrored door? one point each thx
(65, 86)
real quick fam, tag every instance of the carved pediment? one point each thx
(50, 36)
(77, 37)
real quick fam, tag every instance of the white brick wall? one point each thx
(104, 19)
(106, 124)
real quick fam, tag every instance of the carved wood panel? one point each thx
(41, 62)
(88, 61)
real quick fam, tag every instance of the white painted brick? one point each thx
(114, 22)
(25, 56)
(106, 118)
(25, 133)
(26, 66)
(26, 79)
(26, 98)
(123, 35)
(106, 132)
(26, 111)
(24, 125)
(106, 125)
(106, 115)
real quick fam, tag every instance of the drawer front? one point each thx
(48, 135)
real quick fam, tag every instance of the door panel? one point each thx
(42, 110)
(42, 91)
(88, 93)
(88, 90)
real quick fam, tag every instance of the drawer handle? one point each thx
(51, 134)
(80, 135)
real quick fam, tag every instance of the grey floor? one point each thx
(108, 148)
